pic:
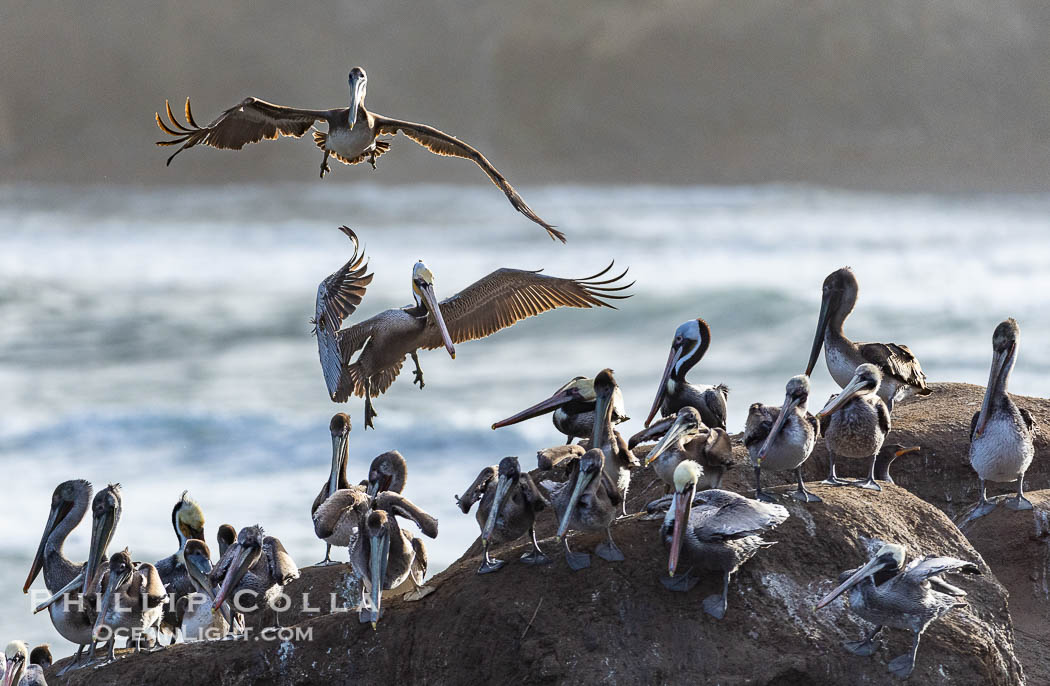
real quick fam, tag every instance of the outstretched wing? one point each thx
(250, 121)
(440, 143)
(508, 295)
(337, 298)
(927, 568)
(896, 361)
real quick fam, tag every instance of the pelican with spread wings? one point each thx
(352, 136)
(481, 309)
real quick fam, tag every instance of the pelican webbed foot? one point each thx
(868, 484)
(805, 496)
(834, 481)
(489, 564)
(418, 372)
(609, 552)
(764, 497)
(1019, 502)
(418, 593)
(681, 583)
(715, 605)
(576, 561)
(535, 557)
(325, 169)
(864, 647)
(327, 561)
(370, 412)
(901, 667)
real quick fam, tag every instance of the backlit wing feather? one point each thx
(337, 298)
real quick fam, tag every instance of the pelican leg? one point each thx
(983, 506)
(715, 605)
(833, 479)
(759, 493)
(903, 665)
(370, 412)
(324, 164)
(536, 556)
(490, 564)
(865, 646)
(608, 551)
(75, 664)
(681, 583)
(1019, 502)
(418, 373)
(576, 561)
(568, 439)
(801, 493)
(869, 484)
(327, 561)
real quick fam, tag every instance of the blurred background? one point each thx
(154, 321)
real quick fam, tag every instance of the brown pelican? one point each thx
(573, 408)
(187, 519)
(64, 578)
(902, 376)
(252, 571)
(690, 343)
(225, 536)
(1001, 434)
(339, 427)
(492, 303)
(588, 501)
(782, 438)
(886, 593)
(352, 137)
(16, 653)
(41, 655)
(712, 530)
(385, 555)
(855, 423)
(685, 437)
(388, 472)
(197, 620)
(133, 601)
(509, 503)
(106, 508)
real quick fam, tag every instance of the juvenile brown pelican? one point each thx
(886, 593)
(197, 620)
(34, 676)
(782, 438)
(712, 530)
(133, 601)
(901, 374)
(252, 571)
(41, 655)
(509, 503)
(686, 438)
(385, 555)
(388, 472)
(106, 508)
(225, 536)
(588, 501)
(1001, 434)
(855, 423)
(492, 303)
(352, 137)
(619, 459)
(339, 427)
(690, 343)
(573, 408)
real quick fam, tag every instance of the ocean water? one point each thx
(160, 338)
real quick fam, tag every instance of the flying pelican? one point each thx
(886, 593)
(225, 537)
(782, 438)
(509, 503)
(573, 408)
(855, 423)
(492, 303)
(197, 620)
(385, 555)
(187, 519)
(588, 501)
(252, 571)
(901, 374)
(716, 530)
(133, 601)
(1001, 434)
(690, 344)
(685, 437)
(339, 427)
(253, 120)
(388, 472)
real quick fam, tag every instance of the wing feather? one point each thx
(931, 566)
(337, 298)
(897, 361)
(729, 515)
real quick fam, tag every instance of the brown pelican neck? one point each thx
(1004, 355)
(693, 351)
(69, 504)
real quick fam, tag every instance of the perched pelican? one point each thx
(69, 504)
(691, 341)
(339, 427)
(133, 601)
(16, 653)
(901, 374)
(385, 555)
(106, 508)
(855, 423)
(41, 655)
(509, 503)
(1001, 434)
(686, 438)
(252, 571)
(588, 501)
(782, 438)
(197, 620)
(886, 593)
(712, 530)
(492, 303)
(388, 472)
(225, 537)
(253, 120)
(573, 408)
(187, 519)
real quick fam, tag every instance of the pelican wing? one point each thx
(727, 515)
(397, 504)
(281, 566)
(884, 415)
(896, 361)
(1028, 419)
(476, 490)
(440, 143)
(250, 121)
(925, 569)
(337, 298)
(508, 295)
(760, 420)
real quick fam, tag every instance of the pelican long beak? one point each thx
(854, 388)
(357, 98)
(101, 535)
(682, 506)
(562, 397)
(583, 479)
(603, 408)
(435, 310)
(502, 489)
(996, 378)
(245, 558)
(77, 581)
(873, 566)
(670, 438)
(379, 554)
(56, 515)
(107, 601)
(818, 337)
(789, 405)
(672, 360)
(340, 450)
(13, 670)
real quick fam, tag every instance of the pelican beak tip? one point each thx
(373, 626)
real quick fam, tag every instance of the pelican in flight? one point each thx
(886, 593)
(573, 408)
(352, 137)
(492, 303)
(855, 423)
(690, 343)
(782, 438)
(1001, 434)
(901, 374)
